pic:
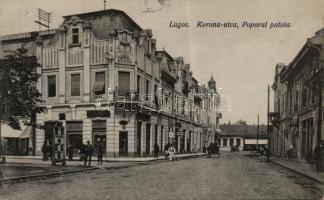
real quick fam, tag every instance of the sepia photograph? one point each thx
(161, 99)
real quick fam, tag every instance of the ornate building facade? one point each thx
(102, 76)
(298, 101)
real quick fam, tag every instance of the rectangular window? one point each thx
(124, 81)
(231, 142)
(75, 84)
(75, 35)
(138, 84)
(99, 86)
(61, 116)
(51, 86)
(238, 142)
(224, 142)
(147, 93)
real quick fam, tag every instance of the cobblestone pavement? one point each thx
(233, 176)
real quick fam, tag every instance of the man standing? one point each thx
(156, 150)
(100, 153)
(88, 151)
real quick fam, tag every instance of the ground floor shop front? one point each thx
(122, 133)
(299, 134)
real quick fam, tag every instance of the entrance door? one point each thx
(139, 138)
(123, 143)
(148, 138)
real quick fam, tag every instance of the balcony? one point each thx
(316, 73)
(126, 95)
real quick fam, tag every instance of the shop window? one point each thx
(74, 134)
(99, 134)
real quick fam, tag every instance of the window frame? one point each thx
(75, 34)
(79, 85)
(51, 92)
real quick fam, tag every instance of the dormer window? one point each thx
(124, 37)
(75, 35)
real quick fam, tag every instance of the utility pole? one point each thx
(268, 129)
(258, 134)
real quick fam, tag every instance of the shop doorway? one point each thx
(123, 143)
(148, 138)
(139, 138)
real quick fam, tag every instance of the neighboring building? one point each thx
(297, 119)
(105, 59)
(246, 137)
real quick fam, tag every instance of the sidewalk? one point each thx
(38, 159)
(300, 167)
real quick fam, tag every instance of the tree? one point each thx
(18, 91)
(241, 122)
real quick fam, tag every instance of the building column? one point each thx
(62, 63)
(86, 61)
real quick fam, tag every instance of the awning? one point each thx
(26, 133)
(8, 132)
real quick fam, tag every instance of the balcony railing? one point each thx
(127, 95)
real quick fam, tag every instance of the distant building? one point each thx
(246, 137)
(98, 69)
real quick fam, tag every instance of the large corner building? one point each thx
(94, 60)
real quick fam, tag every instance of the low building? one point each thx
(246, 137)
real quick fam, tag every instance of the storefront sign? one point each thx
(180, 133)
(98, 113)
(143, 116)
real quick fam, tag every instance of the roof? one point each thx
(105, 21)
(159, 53)
(247, 131)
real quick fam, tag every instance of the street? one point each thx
(232, 176)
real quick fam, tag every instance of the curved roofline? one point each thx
(104, 11)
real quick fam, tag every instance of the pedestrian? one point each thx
(88, 151)
(317, 157)
(81, 152)
(156, 150)
(166, 150)
(209, 150)
(204, 149)
(44, 151)
(172, 152)
(70, 152)
(100, 153)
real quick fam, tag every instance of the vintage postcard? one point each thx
(161, 99)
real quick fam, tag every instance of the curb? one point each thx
(297, 172)
(48, 174)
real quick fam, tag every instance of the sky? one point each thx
(242, 60)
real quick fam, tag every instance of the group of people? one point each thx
(169, 152)
(86, 152)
